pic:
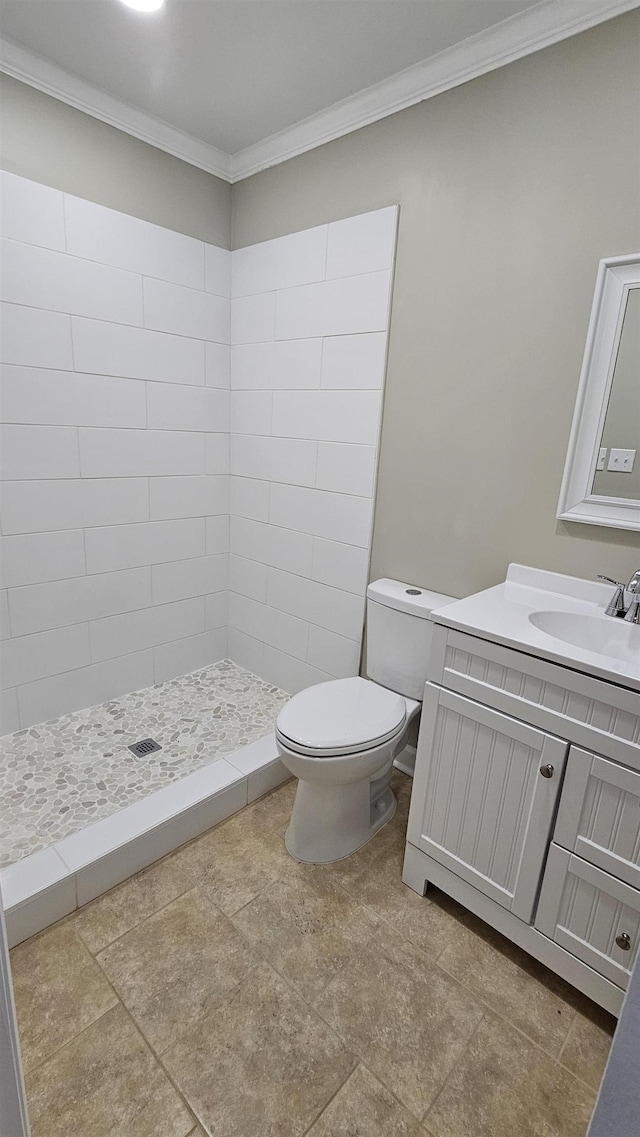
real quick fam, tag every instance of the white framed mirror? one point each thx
(601, 481)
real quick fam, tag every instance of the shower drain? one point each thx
(147, 746)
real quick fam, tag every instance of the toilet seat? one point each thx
(341, 717)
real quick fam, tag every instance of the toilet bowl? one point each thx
(340, 738)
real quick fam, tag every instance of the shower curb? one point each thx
(50, 884)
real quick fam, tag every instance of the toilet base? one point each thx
(329, 823)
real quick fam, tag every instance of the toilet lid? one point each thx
(342, 715)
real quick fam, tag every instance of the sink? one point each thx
(555, 617)
(606, 635)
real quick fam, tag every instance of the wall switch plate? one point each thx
(602, 457)
(621, 460)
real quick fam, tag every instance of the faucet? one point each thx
(618, 606)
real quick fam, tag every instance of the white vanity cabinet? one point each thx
(526, 806)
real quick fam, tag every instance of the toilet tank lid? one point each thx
(407, 597)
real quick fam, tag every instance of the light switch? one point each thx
(602, 457)
(621, 460)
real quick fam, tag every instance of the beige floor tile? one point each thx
(172, 968)
(427, 921)
(365, 1108)
(588, 1042)
(307, 927)
(105, 1083)
(531, 997)
(274, 810)
(59, 990)
(504, 1086)
(405, 1019)
(235, 861)
(104, 920)
(261, 1063)
(380, 846)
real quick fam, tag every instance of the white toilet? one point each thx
(340, 738)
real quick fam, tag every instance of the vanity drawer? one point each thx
(591, 914)
(599, 814)
(590, 712)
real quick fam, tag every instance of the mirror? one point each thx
(601, 483)
(622, 420)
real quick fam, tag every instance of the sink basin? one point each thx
(605, 635)
(555, 617)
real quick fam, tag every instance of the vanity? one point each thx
(526, 796)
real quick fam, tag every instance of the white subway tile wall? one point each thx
(309, 325)
(169, 499)
(114, 453)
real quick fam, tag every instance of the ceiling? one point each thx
(232, 73)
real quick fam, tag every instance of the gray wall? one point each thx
(511, 189)
(46, 140)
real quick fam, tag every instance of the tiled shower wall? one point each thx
(114, 453)
(115, 450)
(309, 320)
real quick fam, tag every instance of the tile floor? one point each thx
(229, 991)
(59, 776)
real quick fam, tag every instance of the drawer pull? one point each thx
(547, 771)
(624, 941)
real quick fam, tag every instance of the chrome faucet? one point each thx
(618, 606)
(633, 611)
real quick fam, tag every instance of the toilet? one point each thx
(340, 738)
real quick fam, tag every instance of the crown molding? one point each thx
(522, 34)
(39, 72)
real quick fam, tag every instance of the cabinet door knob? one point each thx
(547, 771)
(624, 941)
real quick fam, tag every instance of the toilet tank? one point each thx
(399, 635)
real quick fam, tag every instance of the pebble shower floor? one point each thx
(59, 776)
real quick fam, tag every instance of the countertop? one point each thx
(502, 614)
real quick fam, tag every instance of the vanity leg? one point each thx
(413, 872)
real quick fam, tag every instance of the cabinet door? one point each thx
(480, 804)
(599, 814)
(590, 914)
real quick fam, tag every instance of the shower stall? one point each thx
(189, 450)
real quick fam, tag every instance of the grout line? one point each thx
(303, 284)
(154, 1054)
(326, 1105)
(108, 572)
(140, 923)
(554, 1057)
(299, 437)
(122, 655)
(119, 324)
(453, 1068)
(88, 1026)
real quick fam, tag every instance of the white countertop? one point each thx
(502, 614)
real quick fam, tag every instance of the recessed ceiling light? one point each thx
(144, 5)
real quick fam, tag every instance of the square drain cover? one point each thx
(147, 746)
